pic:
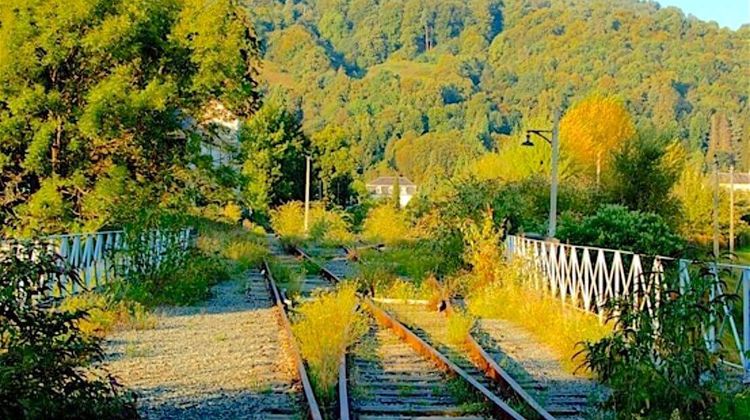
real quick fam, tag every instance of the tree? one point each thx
(644, 171)
(396, 193)
(333, 157)
(273, 150)
(87, 86)
(593, 128)
(720, 141)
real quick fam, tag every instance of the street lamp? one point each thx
(555, 143)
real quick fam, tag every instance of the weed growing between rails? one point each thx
(658, 363)
(325, 328)
(46, 360)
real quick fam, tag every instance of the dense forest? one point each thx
(112, 113)
(426, 82)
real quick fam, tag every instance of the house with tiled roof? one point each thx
(382, 187)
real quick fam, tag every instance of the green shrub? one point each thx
(657, 363)
(45, 357)
(327, 227)
(386, 224)
(187, 284)
(242, 247)
(614, 226)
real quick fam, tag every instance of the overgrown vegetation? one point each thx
(325, 327)
(328, 227)
(657, 362)
(106, 313)
(386, 224)
(48, 364)
(559, 327)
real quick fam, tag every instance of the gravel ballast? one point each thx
(227, 358)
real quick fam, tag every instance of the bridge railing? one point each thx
(97, 257)
(590, 277)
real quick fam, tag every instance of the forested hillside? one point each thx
(420, 86)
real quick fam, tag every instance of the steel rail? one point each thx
(314, 409)
(499, 407)
(498, 375)
(494, 372)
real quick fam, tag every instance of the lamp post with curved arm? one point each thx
(555, 143)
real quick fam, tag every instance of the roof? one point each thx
(390, 180)
(739, 178)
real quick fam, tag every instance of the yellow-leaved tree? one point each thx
(592, 129)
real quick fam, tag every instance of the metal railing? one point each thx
(590, 277)
(97, 256)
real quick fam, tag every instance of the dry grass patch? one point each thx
(106, 314)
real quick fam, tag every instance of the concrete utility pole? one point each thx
(731, 208)
(553, 181)
(716, 207)
(307, 192)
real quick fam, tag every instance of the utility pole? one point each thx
(731, 208)
(716, 207)
(553, 182)
(307, 192)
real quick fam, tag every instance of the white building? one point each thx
(382, 187)
(741, 181)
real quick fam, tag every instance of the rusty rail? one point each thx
(499, 376)
(499, 407)
(312, 403)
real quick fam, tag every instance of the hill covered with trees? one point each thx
(422, 86)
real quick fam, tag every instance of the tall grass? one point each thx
(459, 325)
(288, 279)
(559, 327)
(325, 327)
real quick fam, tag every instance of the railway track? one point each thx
(389, 379)
(562, 395)
(406, 377)
(280, 400)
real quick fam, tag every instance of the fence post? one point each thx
(746, 322)
(712, 318)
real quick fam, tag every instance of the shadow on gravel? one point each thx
(161, 403)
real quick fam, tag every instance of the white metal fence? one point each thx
(96, 257)
(590, 277)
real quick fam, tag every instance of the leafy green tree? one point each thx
(87, 86)
(645, 170)
(273, 150)
(336, 168)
